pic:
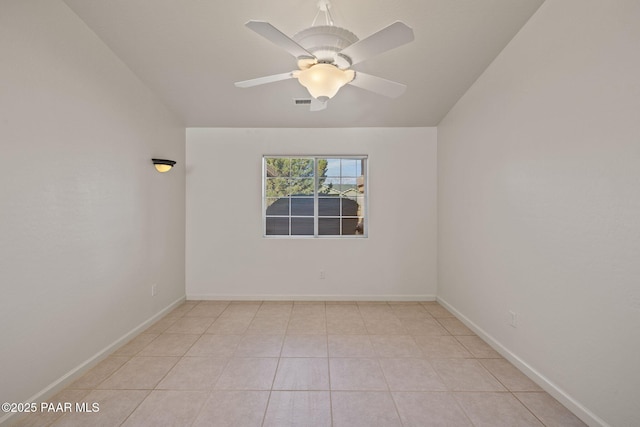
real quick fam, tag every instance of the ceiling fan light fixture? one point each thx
(325, 54)
(324, 80)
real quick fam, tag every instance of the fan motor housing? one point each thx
(325, 42)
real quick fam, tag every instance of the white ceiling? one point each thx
(190, 52)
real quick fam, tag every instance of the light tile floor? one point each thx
(215, 363)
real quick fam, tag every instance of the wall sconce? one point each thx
(163, 165)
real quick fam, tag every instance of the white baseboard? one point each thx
(227, 297)
(547, 385)
(81, 369)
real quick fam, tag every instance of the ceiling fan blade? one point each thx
(277, 37)
(378, 85)
(386, 39)
(317, 105)
(264, 80)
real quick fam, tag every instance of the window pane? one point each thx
(348, 187)
(302, 206)
(277, 166)
(352, 226)
(277, 226)
(329, 206)
(329, 186)
(349, 207)
(333, 167)
(350, 168)
(329, 226)
(278, 206)
(301, 167)
(360, 184)
(360, 201)
(268, 201)
(301, 186)
(277, 187)
(302, 226)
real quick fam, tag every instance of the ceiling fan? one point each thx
(325, 54)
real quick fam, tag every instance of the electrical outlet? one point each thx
(154, 290)
(322, 275)
(513, 319)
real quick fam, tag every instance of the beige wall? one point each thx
(227, 257)
(86, 224)
(539, 205)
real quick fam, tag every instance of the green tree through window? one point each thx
(292, 176)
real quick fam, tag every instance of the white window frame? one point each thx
(316, 217)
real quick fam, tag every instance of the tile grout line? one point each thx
(212, 390)
(507, 389)
(266, 406)
(171, 369)
(326, 327)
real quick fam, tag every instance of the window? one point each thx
(314, 196)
